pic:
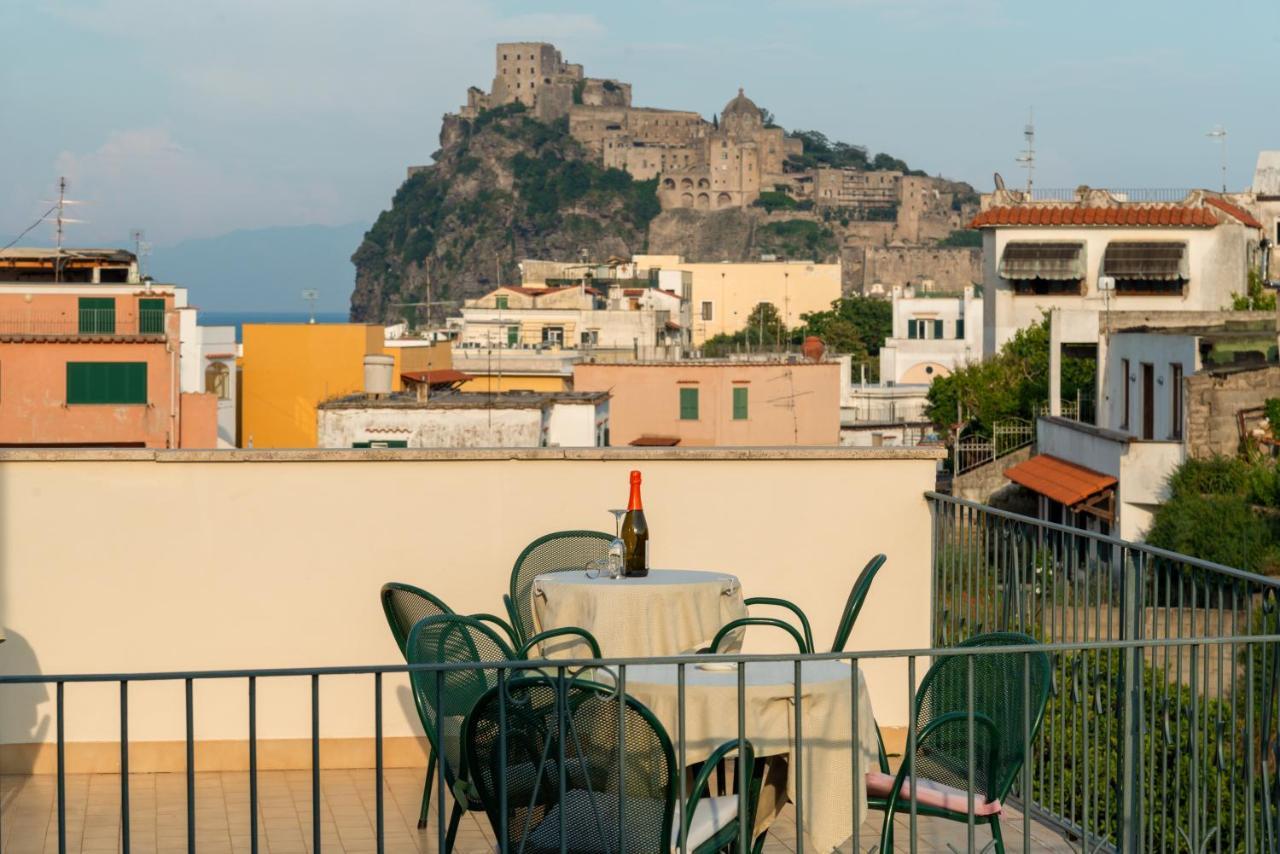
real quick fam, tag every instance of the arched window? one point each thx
(668, 184)
(686, 183)
(704, 201)
(217, 380)
(686, 200)
(703, 183)
(724, 199)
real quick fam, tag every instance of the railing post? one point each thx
(1130, 765)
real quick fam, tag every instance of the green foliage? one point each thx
(1256, 296)
(1273, 416)
(820, 151)
(772, 200)
(969, 238)
(797, 238)
(764, 331)
(1013, 384)
(856, 325)
(578, 89)
(1222, 510)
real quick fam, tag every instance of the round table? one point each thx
(834, 800)
(667, 612)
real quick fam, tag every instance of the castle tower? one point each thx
(741, 117)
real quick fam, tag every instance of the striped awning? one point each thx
(1159, 260)
(1057, 261)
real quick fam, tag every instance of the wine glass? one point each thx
(617, 521)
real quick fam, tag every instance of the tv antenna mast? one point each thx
(311, 295)
(60, 220)
(1220, 134)
(1027, 159)
(141, 248)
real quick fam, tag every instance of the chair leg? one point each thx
(997, 836)
(426, 791)
(720, 778)
(458, 810)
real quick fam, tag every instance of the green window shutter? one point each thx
(740, 403)
(937, 329)
(106, 382)
(97, 315)
(911, 329)
(502, 302)
(960, 328)
(151, 316)
(688, 404)
(513, 336)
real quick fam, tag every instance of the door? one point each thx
(1148, 401)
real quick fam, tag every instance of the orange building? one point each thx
(718, 402)
(89, 355)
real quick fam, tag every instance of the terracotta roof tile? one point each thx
(1148, 216)
(1064, 482)
(1234, 210)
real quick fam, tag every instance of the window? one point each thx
(513, 336)
(1043, 268)
(590, 337)
(502, 302)
(708, 310)
(151, 316)
(1143, 268)
(937, 330)
(960, 328)
(911, 329)
(553, 335)
(1124, 378)
(97, 315)
(688, 404)
(382, 443)
(217, 380)
(1175, 381)
(106, 382)
(740, 403)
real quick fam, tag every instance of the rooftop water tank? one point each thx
(377, 375)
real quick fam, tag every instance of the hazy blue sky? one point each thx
(191, 119)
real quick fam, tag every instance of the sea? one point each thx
(239, 318)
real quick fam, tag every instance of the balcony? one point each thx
(245, 682)
(83, 324)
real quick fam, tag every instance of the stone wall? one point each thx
(981, 483)
(1214, 398)
(949, 268)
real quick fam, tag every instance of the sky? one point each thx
(193, 119)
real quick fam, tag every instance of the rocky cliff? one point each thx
(504, 187)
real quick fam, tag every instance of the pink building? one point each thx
(710, 402)
(89, 355)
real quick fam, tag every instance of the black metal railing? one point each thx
(84, 322)
(1125, 777)
(1169, 723)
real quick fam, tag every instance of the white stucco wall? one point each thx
(573, 425)
(1159, 351)
(431, 428)
(915, 360)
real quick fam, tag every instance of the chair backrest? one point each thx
(998, 686)
(448, 639)
(405, 605)
(853, 605)
(591, 725)
(562, 551)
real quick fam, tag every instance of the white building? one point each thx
(933, 335)
(1158, 406)
(207, 363)
(1190, 255)
(465, 420)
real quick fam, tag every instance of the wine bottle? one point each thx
(635, 534)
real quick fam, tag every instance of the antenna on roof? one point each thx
(1220, 134)
(141, 248)
(1027, 159)
(60, 220)
(311, 295)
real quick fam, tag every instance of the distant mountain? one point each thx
(264, 269)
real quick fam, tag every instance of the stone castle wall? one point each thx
(1214, 398)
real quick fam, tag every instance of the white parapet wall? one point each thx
(145, 561)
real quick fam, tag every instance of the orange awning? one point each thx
(1064, 482)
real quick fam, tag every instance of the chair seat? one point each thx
(711, 816)
(931, 793)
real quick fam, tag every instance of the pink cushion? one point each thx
(929, 794)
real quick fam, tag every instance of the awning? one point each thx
(1163, 261)
(655, 442)
(1058, 261)
(1064, 482)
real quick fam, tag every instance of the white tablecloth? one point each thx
(667, 612)
(834, 801)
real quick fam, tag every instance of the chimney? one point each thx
(377, 375)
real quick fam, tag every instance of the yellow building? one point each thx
(724, 295)
(288, 368)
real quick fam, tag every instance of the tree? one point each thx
(764, 326)
(1256, 296)
(1013, 384)
(868, 320)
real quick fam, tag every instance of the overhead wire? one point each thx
(28, 229)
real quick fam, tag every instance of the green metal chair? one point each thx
(942, 745)
(581, 769)
(852, 607)
(404, 605)
(742, 622)
(561, 551)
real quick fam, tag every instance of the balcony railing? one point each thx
(1161, 732)
(1145, 195)
(85, 322)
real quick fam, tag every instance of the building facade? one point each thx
(933, 335)
(90, 355)
(717, 402)
(1102, 254)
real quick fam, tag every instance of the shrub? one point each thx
(773, 200)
